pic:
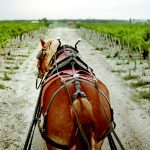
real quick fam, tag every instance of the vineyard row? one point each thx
(135, 35)
(9, 30)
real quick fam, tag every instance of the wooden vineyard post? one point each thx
(129, 72)
(140, 54)
(135, 64)
(128, 52)
(119, 49)
(148, 60)
(110, 48)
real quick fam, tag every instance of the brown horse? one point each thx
(75, 104)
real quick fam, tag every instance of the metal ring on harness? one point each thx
(38, 85)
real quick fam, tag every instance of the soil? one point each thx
(18, 100)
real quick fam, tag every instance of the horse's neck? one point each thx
(47, 61)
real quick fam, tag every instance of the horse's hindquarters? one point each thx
(59, 124)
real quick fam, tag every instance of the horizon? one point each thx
(86, 19)
(74, 9)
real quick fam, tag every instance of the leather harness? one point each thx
(74, 61)
(73, 57)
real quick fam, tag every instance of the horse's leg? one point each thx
(94, 144)
(99, 145)
(73, 147)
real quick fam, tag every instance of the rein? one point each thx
(36, 116)
(40, 69)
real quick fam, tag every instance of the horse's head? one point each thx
(45, 56)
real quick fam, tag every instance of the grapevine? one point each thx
(8, 30)
(135, 34)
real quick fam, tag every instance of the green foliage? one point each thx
(2, 86)
(6, 77)
(130, 77)
(8, 30)
(140, 84)
(135, 34)
(145, 95)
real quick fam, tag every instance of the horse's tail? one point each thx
(82, 114)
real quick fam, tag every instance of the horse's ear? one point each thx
(42, 42)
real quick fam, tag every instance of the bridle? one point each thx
(41, 61)
(41, 56)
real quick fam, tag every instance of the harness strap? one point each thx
(50, 141)
(78, 121)
(110, 124)
(68, 60)
(53, 96)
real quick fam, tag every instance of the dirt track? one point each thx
(133, 124)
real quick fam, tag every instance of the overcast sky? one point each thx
(74, 9)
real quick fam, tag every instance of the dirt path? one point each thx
(133, 124)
